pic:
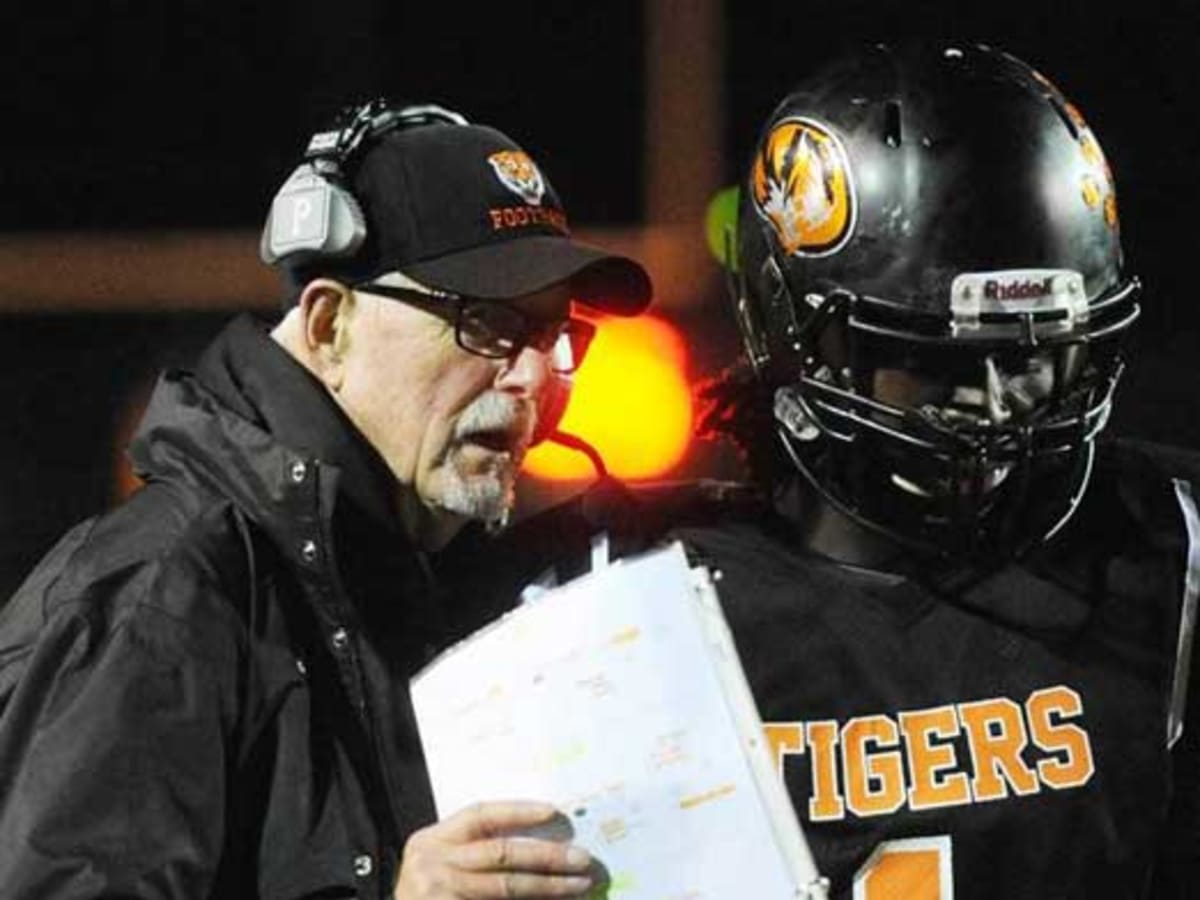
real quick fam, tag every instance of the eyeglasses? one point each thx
(496, 330)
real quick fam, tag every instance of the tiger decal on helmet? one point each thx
(802, 186)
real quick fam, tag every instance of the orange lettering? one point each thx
(874, 779)
(996, 732)
(1046, 708)
(928, 761)
(908, 869)
(826, 801)
(783, 739)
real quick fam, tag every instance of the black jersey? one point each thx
(1007, 738)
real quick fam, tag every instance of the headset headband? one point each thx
(314, 215)
(368, 122)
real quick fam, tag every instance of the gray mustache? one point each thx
(497, 411)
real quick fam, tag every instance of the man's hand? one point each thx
(475, 854)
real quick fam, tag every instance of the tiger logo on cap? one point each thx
(802, 186)
(518, 173)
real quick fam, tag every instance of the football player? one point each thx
(966, 621)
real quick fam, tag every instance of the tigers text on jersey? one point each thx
(876, 765)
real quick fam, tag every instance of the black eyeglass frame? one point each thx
(485, 340)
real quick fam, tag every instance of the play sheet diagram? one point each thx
(619, 697)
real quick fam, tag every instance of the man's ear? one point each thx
(326, 307)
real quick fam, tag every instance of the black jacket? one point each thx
(203, 693)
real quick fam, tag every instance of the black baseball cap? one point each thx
(463, 209)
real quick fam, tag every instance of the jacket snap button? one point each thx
(363, 865)
(308, 550)
(340, 639)
(299, 470)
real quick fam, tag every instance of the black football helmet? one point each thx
(931, 284)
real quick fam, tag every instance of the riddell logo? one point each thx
(1017, 290)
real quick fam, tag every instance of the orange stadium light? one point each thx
(631, 401)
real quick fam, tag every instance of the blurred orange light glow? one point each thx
(631, 402)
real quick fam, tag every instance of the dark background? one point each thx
(141, 116)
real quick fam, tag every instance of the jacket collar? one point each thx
(254, 377)
(253, 426)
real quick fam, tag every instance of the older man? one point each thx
(203, 693)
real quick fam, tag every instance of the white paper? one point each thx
(620, 699)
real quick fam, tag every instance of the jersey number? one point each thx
(908, 869)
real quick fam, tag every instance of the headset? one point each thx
(314, 215)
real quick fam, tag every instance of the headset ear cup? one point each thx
(347, 224)
(552, 406)
(312, 216)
